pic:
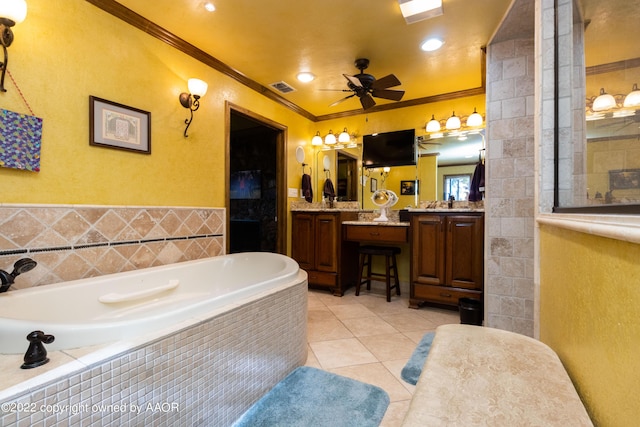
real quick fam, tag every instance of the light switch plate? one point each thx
(293, 192)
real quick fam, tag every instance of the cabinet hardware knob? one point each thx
(445, 295)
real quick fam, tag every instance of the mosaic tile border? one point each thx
(78, 241)
(207, 374)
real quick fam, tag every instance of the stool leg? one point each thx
(388, 274)
(359, 282)
(395, 272)
(369, 272)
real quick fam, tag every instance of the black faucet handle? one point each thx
(36, 354)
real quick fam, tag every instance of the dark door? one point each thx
(253, 185)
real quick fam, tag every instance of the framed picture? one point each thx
(408, 188)
(374, 185)
(115, 125)
(624, 179)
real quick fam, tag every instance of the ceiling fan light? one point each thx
(633, 98)
(344, 136)
(330, 139)
(475, 119)
(604, 101)
(453, 122)
(418, 10)
(317, 139)
(433, 125)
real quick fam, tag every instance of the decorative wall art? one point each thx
(118, 126)
(624, 179)
(20, 141)
(408, 188)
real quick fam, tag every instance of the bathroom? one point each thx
(92, 211)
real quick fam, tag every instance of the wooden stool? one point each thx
(389, 252)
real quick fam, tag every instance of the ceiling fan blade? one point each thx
(385, 82)
(353, 80)
(395, 95)
(340, 100)
(367, 101)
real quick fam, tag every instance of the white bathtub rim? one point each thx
(83, 358)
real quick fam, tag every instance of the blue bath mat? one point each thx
(412, 370)
(312, 397)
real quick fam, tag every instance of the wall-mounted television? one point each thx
(389, 149)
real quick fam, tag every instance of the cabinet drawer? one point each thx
(443, 294)
(322, 278)
(375, 233)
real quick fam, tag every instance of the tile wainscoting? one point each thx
(77, 241)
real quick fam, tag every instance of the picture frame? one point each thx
(624, 179)
(114, 125)
(374, 185)
(408, 188)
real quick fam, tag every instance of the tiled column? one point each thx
(509, 203)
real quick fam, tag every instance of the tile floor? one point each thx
(369, 339)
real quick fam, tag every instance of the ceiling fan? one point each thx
(366, 87)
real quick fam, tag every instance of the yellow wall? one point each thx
(59, 59)
(590, 315)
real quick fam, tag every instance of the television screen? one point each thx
(389, 149)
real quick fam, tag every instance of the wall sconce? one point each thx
(191, 100)
(12, 12)
(607, 105)
(330, 142)
(330, 139)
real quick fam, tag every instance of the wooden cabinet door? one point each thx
(326, 242)
(303, 240)
(428, 258)
(465, 252)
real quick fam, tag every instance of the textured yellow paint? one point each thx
(590, 315)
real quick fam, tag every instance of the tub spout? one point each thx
(21, 266)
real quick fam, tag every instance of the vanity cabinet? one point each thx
(318, 247)
(447, 257)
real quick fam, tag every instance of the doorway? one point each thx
(256, 198)
(347, 179)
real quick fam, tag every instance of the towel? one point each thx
(477, 183)
(307, 191)
(328, 190)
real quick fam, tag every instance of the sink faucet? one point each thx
(451, 199)
(21, 266)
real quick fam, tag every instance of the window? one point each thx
(456, 186)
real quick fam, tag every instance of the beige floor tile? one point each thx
(312, 360)
(326, 330)
(350, 311)
(389, 346)
(339, 353)
(408, 322)
(395, 367)
(378, 375)
(395, 414)
(329, 299)
(370, 325)
(321, 313)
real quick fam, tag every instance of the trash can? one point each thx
(470, 311)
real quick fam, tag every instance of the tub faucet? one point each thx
(21, 266)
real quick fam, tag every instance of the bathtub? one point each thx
(125, 305)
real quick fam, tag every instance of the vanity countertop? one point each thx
(445, 210)
(381, 223)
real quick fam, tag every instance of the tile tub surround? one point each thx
(77, 241)
(206, 374)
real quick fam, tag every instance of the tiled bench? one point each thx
(483, 376)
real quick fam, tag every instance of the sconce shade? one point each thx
(197, 87)
(604, 101)
(453, 122)
(344, 137)
(317, 139)
(433, 125)
(330, 139)
(14, 10)
(633, 98)
(475, 119)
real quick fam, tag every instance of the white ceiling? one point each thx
(270, 41)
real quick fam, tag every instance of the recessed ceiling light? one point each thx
(209, 6)
(306, 77)
(431, 45)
